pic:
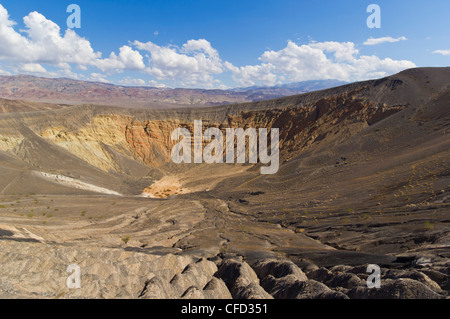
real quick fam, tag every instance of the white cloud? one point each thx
(129, 81)
(342, 51)
(97, 77)
(132, 60)
(310, 62)
(375, 41)
(248, 75)
(194, 64)
(3, 72)
(42, 43)
(128, 59)
(37, 69)
(156, 84)
(67, 73)
(443, 52)
(33, 68)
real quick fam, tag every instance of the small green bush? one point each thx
(126, 239)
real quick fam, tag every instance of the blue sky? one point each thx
(221, 44)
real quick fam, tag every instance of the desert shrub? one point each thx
(428, 225)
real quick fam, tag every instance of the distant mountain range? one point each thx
(259, 93)
(304, 85)
(69, 91)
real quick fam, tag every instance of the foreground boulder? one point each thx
(285, 280)
(241, 280)
(415, 275)
(403, 288)
(195, 281)
(278, 269)
(289, 287)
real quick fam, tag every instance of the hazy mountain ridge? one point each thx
(68, 91)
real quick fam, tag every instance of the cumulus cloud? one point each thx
(3, 72)
(97, 77)
(129, 81)
(195, 63)
(375, 41)
(156, 84)
(314, 61)
(33, 68)
(37, 69)
(42, 43)
(443, 52)
(248, 75)
(127, 59)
